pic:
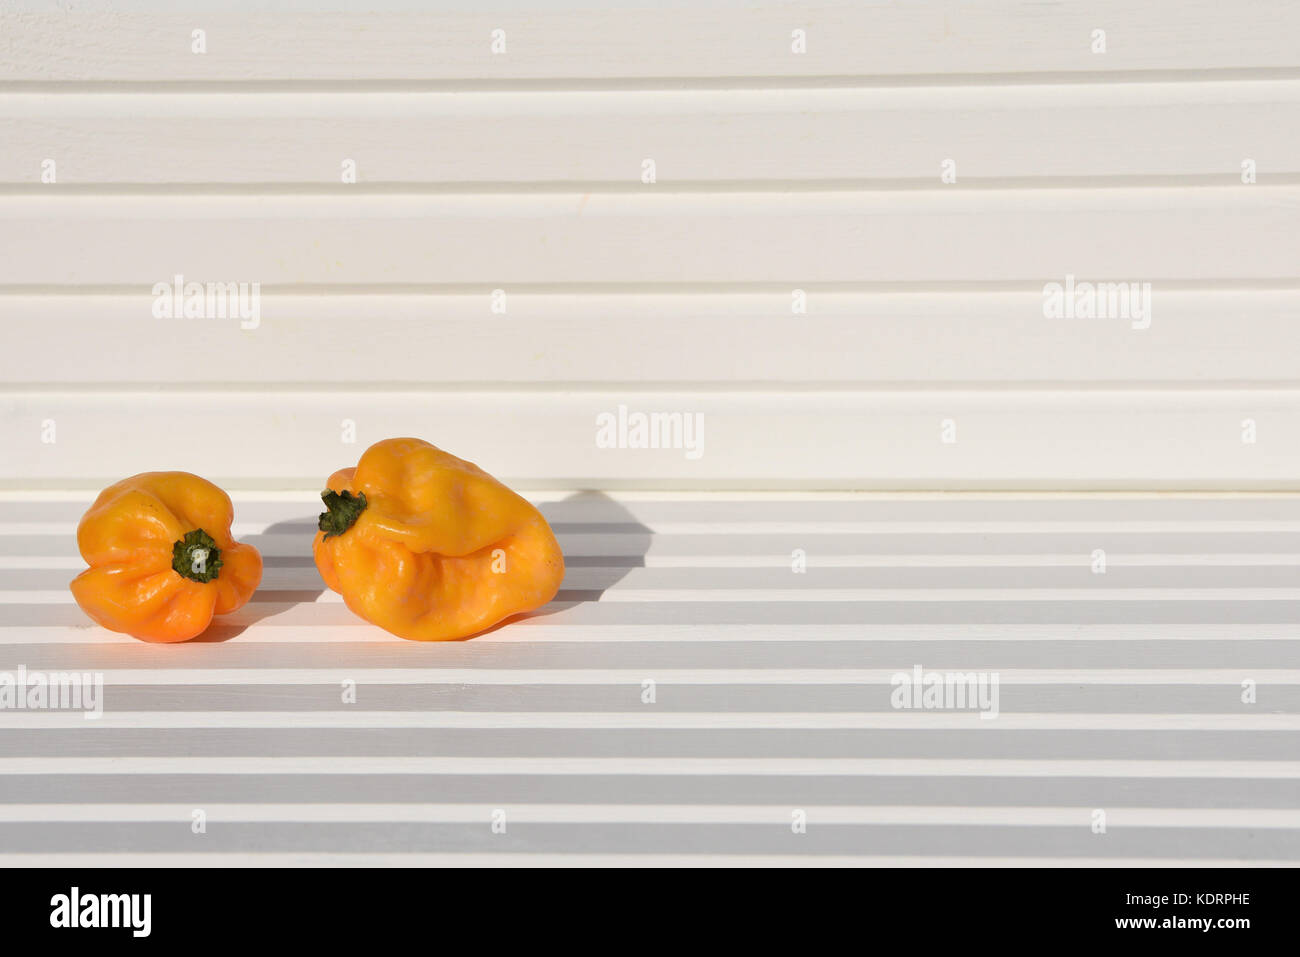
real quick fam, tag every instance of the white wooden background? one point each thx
(1122, 692)
(775, 170)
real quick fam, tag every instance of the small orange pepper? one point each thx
(430, 547)
(161, 558)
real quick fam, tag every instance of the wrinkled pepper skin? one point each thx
(150, 542)
(439, 550)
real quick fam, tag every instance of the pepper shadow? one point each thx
(298, 571)
(602, 542)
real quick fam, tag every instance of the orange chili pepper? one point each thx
(161, 558)
(430, 547)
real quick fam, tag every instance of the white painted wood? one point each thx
(775, 171)
(1004, 438)
(1044, 134)
(1143, 235)
(575, 40)
(1203, 337)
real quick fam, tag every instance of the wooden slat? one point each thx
(1004, 439)
(576, 41)
(1202, 234)
(551, 340)
(838, 135)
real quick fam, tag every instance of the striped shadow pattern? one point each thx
(719, 681)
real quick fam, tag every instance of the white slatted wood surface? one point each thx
(1119, 692)
(775, 172)
(923, 361)
(778, 175)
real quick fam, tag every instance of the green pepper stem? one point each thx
(342, 511)
(196, 557)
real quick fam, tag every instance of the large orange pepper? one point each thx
(161, 558)
(430, 547)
